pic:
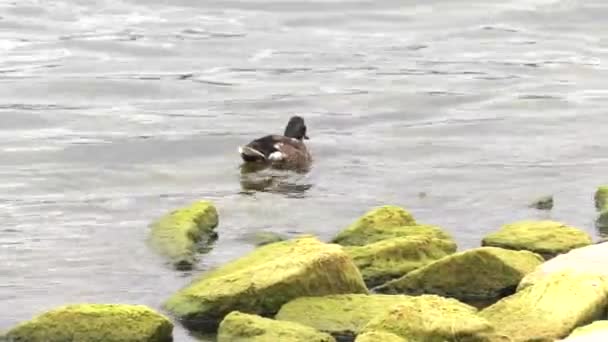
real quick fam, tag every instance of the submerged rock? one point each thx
(264, 238)
(432, 318)
(265, 279)
(543, 203)
(585, 260)
(479, 274)
(379, 336)
(550, 309)
(243, 327)
(95, 323)
(601, 197)
(181, 234)
(548, 238)
(340, 315)
(594, 332)
(384, 260)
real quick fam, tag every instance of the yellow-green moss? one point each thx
(550, 309)
(479, 274)
(339, 315)
(265, 279)
(384, 260)
(95, 323)
(430, 318)
(181, 234)
(242, 327)
(379, 336)
(596, 331)
(601, 197)
(547, 238)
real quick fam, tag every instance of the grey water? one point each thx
(114, 112)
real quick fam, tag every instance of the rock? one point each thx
(340, 315)
(550, 309)
(594, 332)
(384, 260)
(264, 238)
(601, 197)
(432, 318)
(95, 322)
(586, 260)
(181, 234)
(379, 336)
(543, 203)
(548, 238)
(243, 327)
(601, 222)
(265, 279)
(484, 273)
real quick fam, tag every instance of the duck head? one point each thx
(296, 128)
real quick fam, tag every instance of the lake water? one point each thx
(113, 113)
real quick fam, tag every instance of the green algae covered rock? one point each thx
(479, 274)
(585, 260)
(264, 238)
(594, 332)
(181, 234)
(601, 197)
(384, 260)
(95, 323)
(265, 279)
(543, 203)
(548, 238)
(379, 336)
(242, 327)
(339, 315)
(550, 309)
(430, 318)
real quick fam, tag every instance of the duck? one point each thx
(286, 151)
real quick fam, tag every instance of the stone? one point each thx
(543, 203)
(594, 332)
(238, 326)
(601, 197)
(379, 336)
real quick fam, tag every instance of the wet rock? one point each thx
(548, 238)
(264, 238)
(601, 222)
(543, 203)
(550, 309)
(379, 336)
(340, 315)
(585, 260)
(594, 332)
(95, 322)
(384, 260)
(432, 318)
(601, 197)
(183, 233)
(383, 223)
(243, 327)
(485, 273)
(265, 279)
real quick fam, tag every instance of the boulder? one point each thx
(384, 260)
(548, 238)
(340, 315)
(430, 318)
(184, 232)
(95, 323)
(601, 222)
(550, 309)
(484, 273)
(601, 197)
(238, 326)
(379, 336)
(543, 203)
(586, 260)
(262, 238)
(594, 332)
(265, 279)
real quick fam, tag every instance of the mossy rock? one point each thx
(601, 222)
(265, 279)
(548, 238)
(601, 197)
(340, 315)
(585, 260)
(543, 203)
(264, 238)
(550, 309)
(594, 332)
(95, 323)
(183, 233)
(484, 273)
(430, 318)
(242, 327)
(379, 336)
(387, 259)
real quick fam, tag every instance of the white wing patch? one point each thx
(276, 156)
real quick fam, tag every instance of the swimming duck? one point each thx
(286, 151)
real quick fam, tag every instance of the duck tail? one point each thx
(250, 152)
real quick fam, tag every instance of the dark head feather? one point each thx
(296, 128)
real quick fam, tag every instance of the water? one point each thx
(113, 113)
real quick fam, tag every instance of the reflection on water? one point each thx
(260, 177)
